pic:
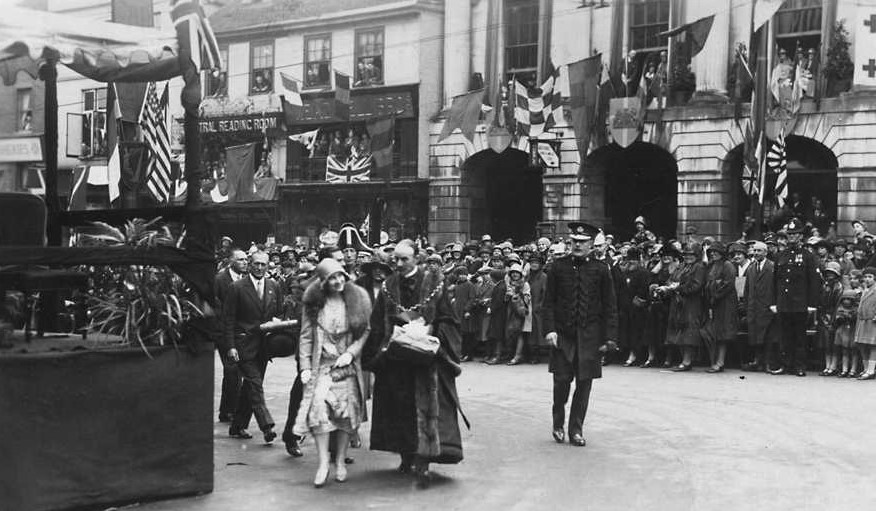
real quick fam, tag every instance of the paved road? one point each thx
(656, 440)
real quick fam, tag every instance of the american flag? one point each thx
(355, 169)
(536, 110)
(153, 122)
(193, 29)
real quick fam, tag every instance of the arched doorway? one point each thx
(505, 194)
(639, 180)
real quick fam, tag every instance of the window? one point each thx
(93, 123)
(798, 26)
(261, 68)
(647, 19)
(317, 61)
(521, 41)
(24, 114)
(369, 58)
(217, 84)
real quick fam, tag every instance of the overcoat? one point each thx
(865, 330)
(580, 298)
(759, 292)
(537, 281)
(798, 280)
(633, 307)
(415, 407)
(686, 310)
(720, 295)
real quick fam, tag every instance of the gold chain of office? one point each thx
(414, 308)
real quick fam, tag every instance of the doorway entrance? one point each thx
(641, 180)
(505, 194)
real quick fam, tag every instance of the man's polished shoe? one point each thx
(269, 435)
(294, 449)
(559, 435)
(715, 369)
(681, 368)
(577, 440)
(800, 372)
(239, 433)
(225, 417)
(778, 371)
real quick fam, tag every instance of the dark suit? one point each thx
(797, 286)
(763, 328)
(230, 374)
(243, 312)
(581, 307)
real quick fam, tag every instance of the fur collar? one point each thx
(355, 298)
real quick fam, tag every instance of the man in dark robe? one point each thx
(415, 406)
(580, 318)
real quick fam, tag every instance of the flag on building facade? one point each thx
(584, 78)
(153, 121)
(307, 139)
(536, 110)
(239, 172)
(195, 32)
(750, 174)
(354, 169)
(696, 32)
(381, 133)
(465, 111)
(777, 162)
(865, 42)
(342, 96)
(289, 90)
(79, 190)
(114, 163)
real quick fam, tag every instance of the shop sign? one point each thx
(242, 124)
(21, 149)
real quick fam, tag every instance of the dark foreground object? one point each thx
(91, 429)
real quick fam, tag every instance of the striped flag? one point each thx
(777, 161)
(193, 29)
(114, 164)
(153, 121)
(536, 110)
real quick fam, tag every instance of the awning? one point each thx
(99, 50)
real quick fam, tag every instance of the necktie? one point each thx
(260, 288)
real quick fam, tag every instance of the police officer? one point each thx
(797, 290)
(580, 318)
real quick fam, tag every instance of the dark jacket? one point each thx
(579, 294)
(797, 280)
(243, 312)
(721, 300)
(537, 282)
(759, 295)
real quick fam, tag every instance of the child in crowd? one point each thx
(865, 329)
(831, 292)
(844, 324)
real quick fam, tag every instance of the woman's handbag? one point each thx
(413, 344)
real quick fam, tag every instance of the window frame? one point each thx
(788, 41)
(511, 71)
(209, 79)
(19, 107)
(252, 50)
(658, 26)
(307, 61)
(358, 55)
(98, 127)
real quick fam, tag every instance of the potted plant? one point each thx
(124, 415)
(838, 69)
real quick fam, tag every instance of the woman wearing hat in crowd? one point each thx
(865, 329)
(656, 322)
(335, 324)
(844, 323)
(686, 310)
(633, 312)
(642, 234)
(831, 292)
(518, 312)
(537, 280)
(720, 294)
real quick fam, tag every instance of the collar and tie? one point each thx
(259, 287)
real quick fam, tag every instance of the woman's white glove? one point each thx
(306, 375)
(344, 360)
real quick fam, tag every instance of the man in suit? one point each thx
(230, 375)
(580, 318)
(763, 328)
(797, 291)
(251, 301)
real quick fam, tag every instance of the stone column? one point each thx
(711, 64)
(457, 48)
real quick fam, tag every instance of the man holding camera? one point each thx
(580, 318)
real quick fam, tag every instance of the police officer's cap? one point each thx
(580, 231)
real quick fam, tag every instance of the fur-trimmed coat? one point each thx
(415, 407)
(358, 310)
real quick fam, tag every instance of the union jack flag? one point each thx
(353, 170)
